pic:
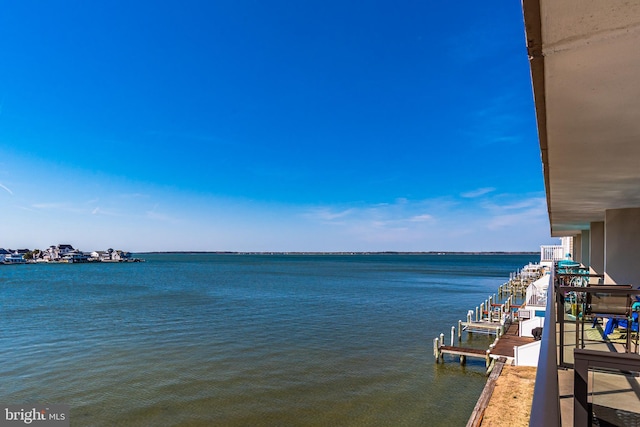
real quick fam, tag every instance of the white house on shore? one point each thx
(111, 255)
(3, 254)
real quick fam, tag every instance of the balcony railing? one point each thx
(552, 253)
(564, 344)
(546, 400)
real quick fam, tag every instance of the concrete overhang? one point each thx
(585, 70)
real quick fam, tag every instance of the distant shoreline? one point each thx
(345, 253)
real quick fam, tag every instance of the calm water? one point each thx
(246, 340)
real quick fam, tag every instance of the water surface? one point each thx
(238, 340)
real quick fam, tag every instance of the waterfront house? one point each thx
(111, 255)
(57, 253)
(49, 254)
(585, 63)
(64, 250)
(3, 254)
(14, 258)
(100, 255)
(121, 255)
(75, 256)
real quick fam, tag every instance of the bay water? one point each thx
(246, 340)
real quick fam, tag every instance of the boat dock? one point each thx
(502, 346)
(483, 327)
(463, 353)
(508, 340)
(492, 317)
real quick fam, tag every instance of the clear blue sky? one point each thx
(268, 125)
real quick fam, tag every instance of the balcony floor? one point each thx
(616, 397)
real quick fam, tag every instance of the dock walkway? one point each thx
(483, 327)
(504, 346)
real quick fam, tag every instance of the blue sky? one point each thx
(268, 126)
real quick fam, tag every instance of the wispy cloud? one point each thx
(328, 214)
(533, 202)
(6, 189)
(524, 212)
(399, 216)
(476, 221)
(499, 120)
(421, 218)
(134, 196)
(155, 215)
(48, 206)
(71, 208)
(477, 193)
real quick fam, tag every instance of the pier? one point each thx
(492, 318)
(463, 353)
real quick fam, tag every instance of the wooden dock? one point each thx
(483, 327)
(489, 318)
(463, 353)
(504, 346)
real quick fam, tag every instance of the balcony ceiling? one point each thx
(585, 68)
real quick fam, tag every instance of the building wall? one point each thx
(577, 248)
(596, 248)
(584, 250)
(622, 246)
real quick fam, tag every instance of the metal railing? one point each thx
(545, 410)
(546, 403)
(589, 359)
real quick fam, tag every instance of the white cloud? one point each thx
(534, 202)
(477, 193)
(158, 216)
(134, 196)
(328, 214)
(524, 214)
(47, 206)
(6, 189)
(421, 218)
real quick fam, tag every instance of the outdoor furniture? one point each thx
(610, 302)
